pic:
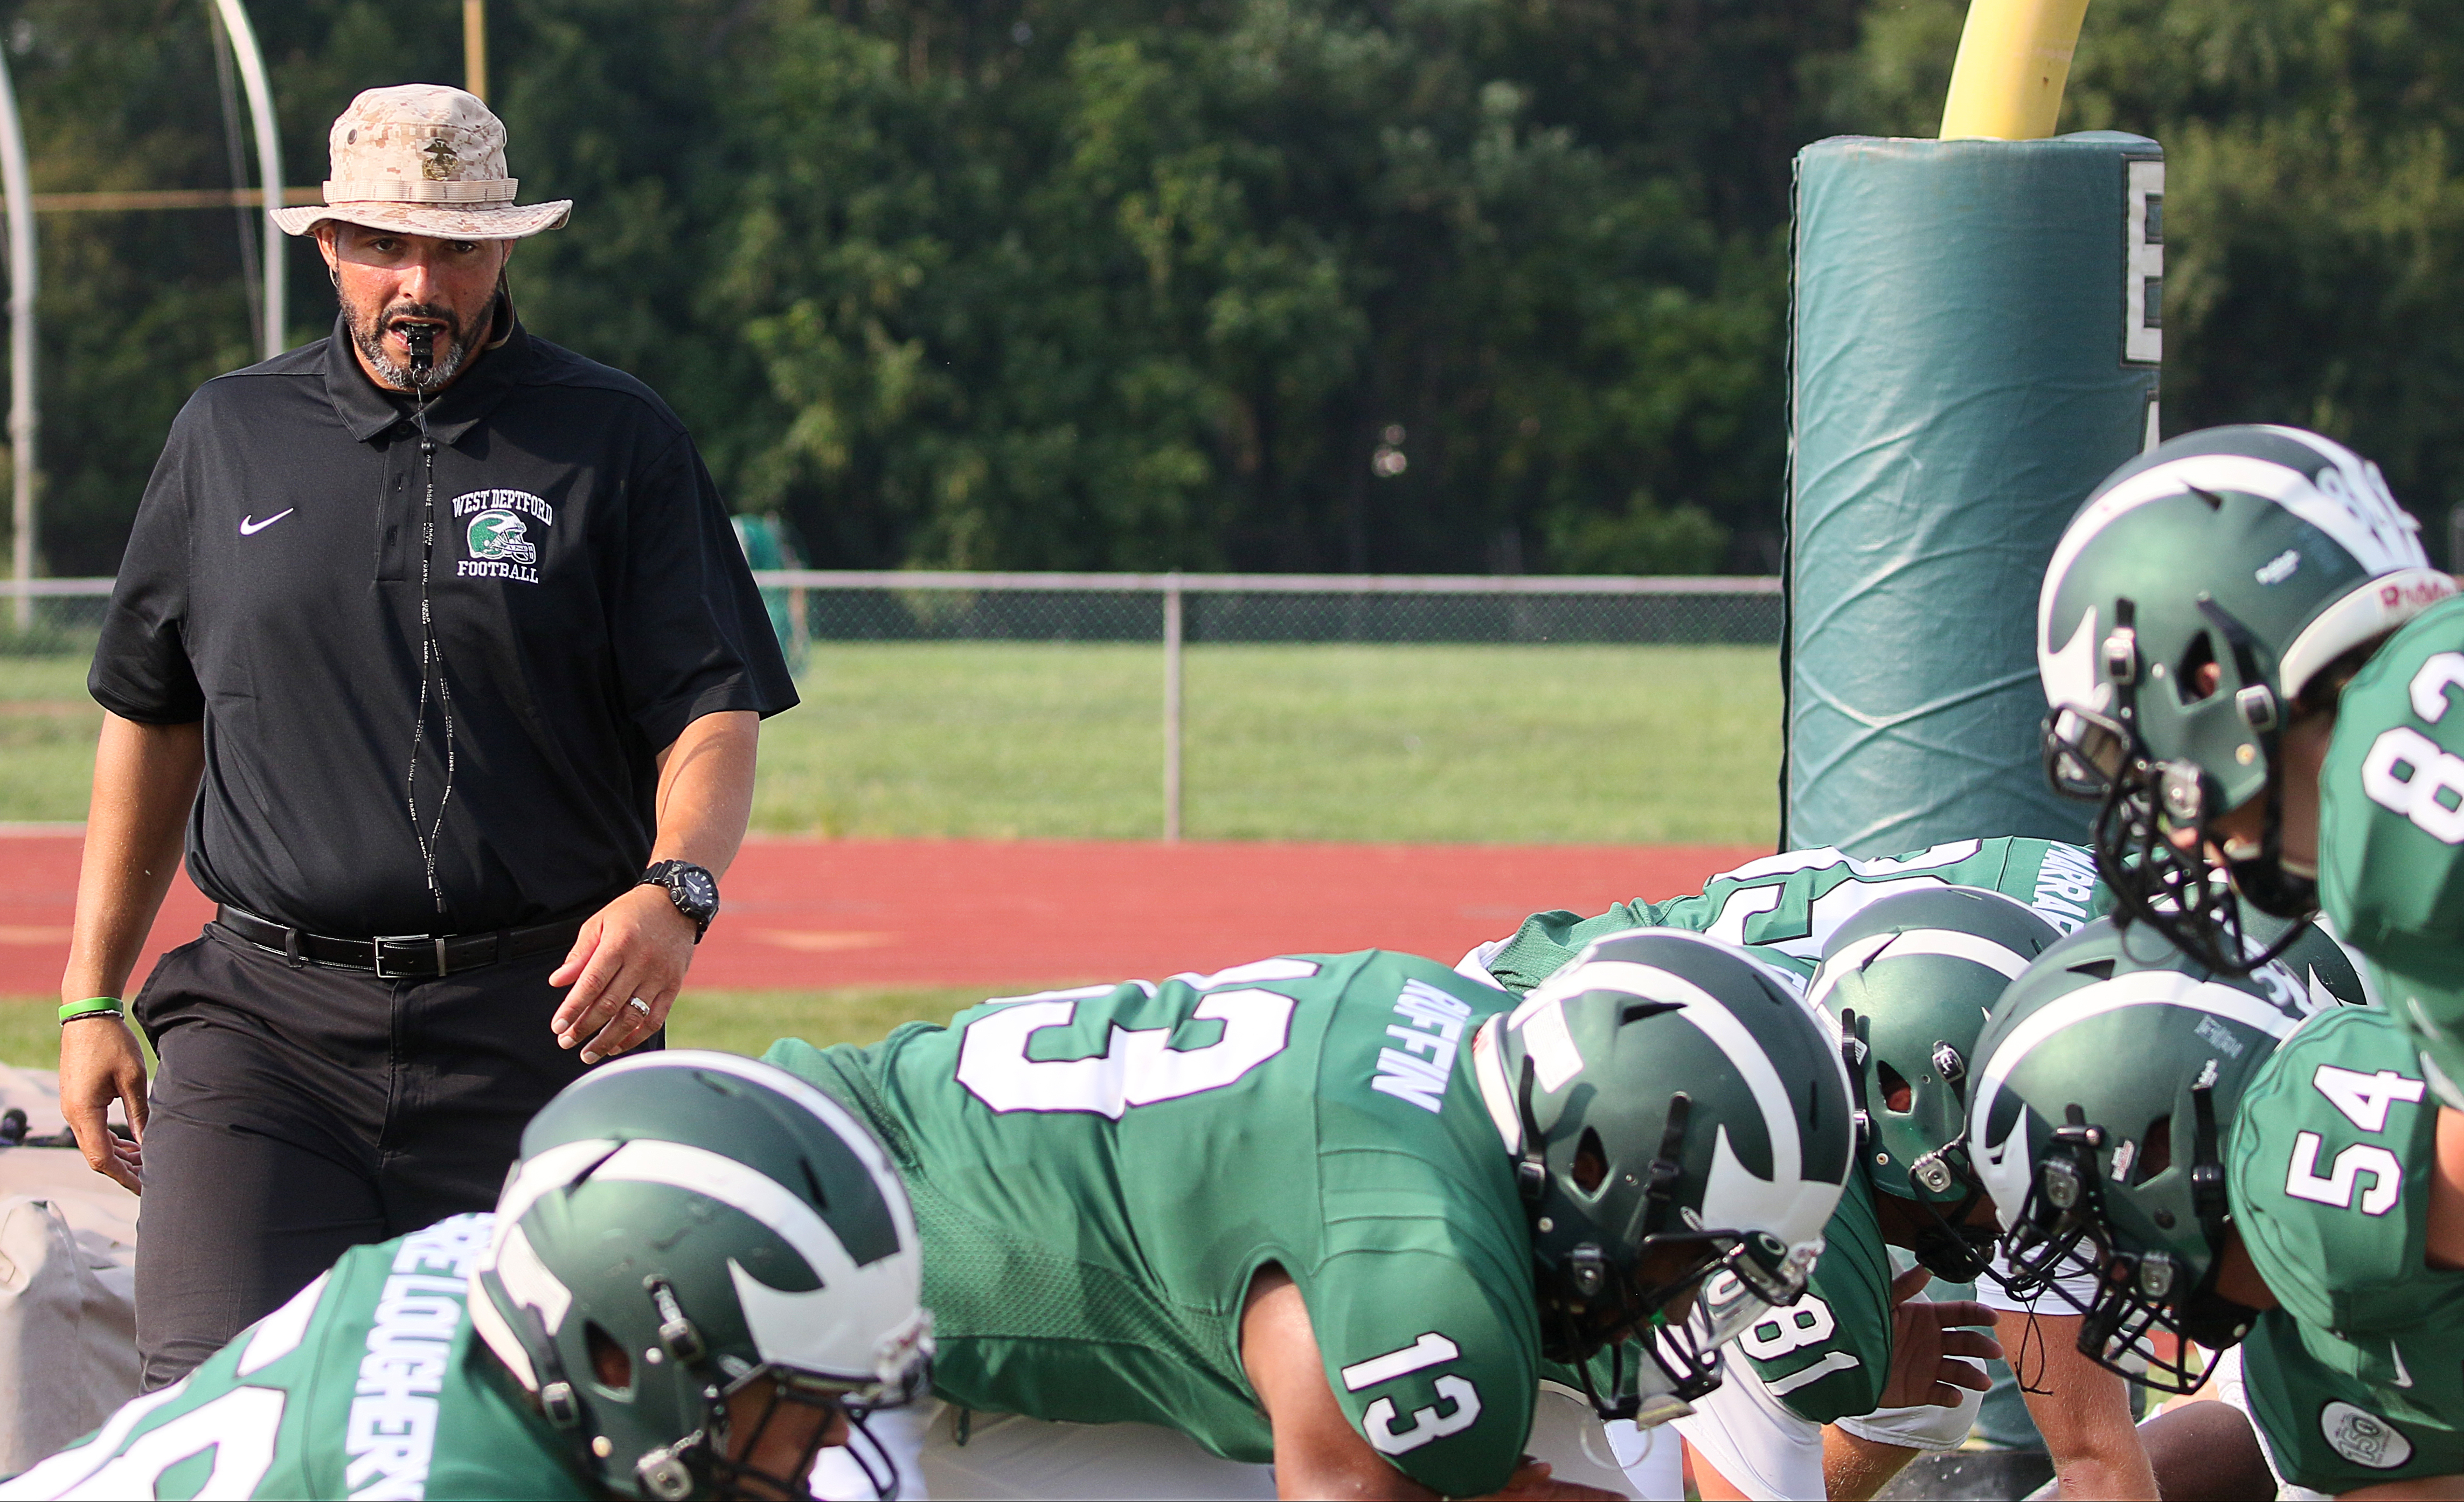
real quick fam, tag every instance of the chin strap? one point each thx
(558, 1400)
(1532, 1166)
(1620, 1404)
(1668, 1169)
(1854, 1051)
(2207, 1165)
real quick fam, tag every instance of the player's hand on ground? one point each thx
(1532, 1483)
(1933, 1353)
(638, 945)
(100, 1062)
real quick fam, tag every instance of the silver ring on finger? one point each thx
(640, 1005)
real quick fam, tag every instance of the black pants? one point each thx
(300, 1113)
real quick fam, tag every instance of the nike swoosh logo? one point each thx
(249, 526)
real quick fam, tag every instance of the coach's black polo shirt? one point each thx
(591, 602)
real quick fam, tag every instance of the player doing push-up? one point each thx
(701, 1278)
(1332, 1211)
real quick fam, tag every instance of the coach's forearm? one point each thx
(144, 781)
(706, 790)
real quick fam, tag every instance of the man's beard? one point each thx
(370, 333)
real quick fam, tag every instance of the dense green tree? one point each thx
(1266, 283)
(1387, 285)
(2314, 206)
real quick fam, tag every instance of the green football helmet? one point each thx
(2262, 554)
(2106, 1083)
(700, 1222)
(1909, 981)
(1679, 1124)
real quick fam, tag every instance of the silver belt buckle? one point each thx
(376, 952)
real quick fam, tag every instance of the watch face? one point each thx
(699, 890)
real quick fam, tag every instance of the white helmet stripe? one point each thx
(1852, 957)
(2141, 988)
(1753, 1066)
(716, 1176)
(2365, 521)
(769, 1076)
(552, 1168)
(842, 1123)
(1954, 945)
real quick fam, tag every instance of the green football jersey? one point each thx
(368, 1383)
(2392, 830)
(1827, 1356)
(1098, 1174)
(1787, 905)
(2358, 1376)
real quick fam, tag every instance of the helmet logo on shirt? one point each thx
(498, 532)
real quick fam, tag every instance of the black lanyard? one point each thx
(432, 658)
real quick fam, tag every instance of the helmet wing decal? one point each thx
(1850, 958)
(1734, 1195)
(2069, 670)
(789, 1328)
(2003, 1165)
(2369, 524)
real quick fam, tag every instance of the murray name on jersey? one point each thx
(1786, 906)
(1099, 1174)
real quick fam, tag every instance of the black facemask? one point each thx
(2064, 1227)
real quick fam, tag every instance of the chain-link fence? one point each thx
(45, 617)
(1519, 708)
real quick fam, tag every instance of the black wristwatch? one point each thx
(693, 890)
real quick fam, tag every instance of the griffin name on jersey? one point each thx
(366, 1384)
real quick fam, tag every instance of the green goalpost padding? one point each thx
(1976, 342)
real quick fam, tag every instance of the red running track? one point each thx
(824, 914)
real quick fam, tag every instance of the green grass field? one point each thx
(47, 730)
(740, 1021)
(1509, 744)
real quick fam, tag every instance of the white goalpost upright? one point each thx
(14, 183)
(269, 158)
(24, 277)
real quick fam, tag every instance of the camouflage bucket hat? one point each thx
(423, 159)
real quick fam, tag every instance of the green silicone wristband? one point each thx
(94, 1007)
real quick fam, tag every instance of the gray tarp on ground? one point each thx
(68, 1307)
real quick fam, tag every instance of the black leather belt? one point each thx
(399, 956)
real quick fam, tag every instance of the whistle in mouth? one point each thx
(422, 340)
